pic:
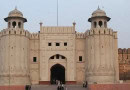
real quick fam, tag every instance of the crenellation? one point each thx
(106, 31)
(96, 31)
(87, 32)
(80, 35)
(92, 32)
(101, 31)
(115, 34)
(57, 30)
(128, 50)
(111, 31)
(14, 32)
(34, 36)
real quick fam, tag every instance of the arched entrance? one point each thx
(57, 73)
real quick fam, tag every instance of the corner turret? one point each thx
(99, 19)
(15, 19)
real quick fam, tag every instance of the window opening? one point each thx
(57, 44)
(80, 58)
(65, 44)
(14, 24)
(49, 44)
(34, 59)
(52, 57)
(63, 57)
(100, 23)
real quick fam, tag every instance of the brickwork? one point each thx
(124, 63)
(12, 87)
(109, 87)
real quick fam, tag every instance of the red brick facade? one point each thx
(124, 63)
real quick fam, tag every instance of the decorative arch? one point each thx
(14, 24)
(100, 23)
(57, 73)
(57, 56)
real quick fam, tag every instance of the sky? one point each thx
(70, 11)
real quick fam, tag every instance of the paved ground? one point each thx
(54, 87)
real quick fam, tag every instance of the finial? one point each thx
(98, 7)
(74, 23)
(15, 7)
(40, 23)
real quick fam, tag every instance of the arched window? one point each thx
(19, 24)
(14, 24)
(57, 56)
(9, 25)
(95, 24)
(100, 23)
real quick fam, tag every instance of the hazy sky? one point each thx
(71, 10)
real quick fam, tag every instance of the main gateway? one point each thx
(58, 53)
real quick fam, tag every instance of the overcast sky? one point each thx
(69, 11)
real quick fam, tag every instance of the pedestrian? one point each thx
(26, 87)
(86, 84)
(58, 88)
(62, 87)
(29, 87)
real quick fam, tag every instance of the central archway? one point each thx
(57, 73)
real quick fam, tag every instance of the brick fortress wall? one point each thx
(124, 63)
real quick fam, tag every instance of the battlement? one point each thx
(124, 51)
(101, 31)
(80, 35)
(34, 36)
(58, 30)
(22, 32)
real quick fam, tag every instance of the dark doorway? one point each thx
(57, 73)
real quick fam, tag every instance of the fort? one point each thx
(60, 53)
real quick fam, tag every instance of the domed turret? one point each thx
(15, 19)
(99, 19)
(98, 13)
(15, 13)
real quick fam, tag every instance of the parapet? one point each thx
(58, 30)
(101, 31)
(124, 51)
(34, 36)
(120, 51)
(80, 35)
(128, 50)
(22, 32)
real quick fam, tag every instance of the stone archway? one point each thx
(57, 73)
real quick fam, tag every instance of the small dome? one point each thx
(15, 13)
(98, 12)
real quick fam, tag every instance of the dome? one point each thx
(15, 13)
(98, 12)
